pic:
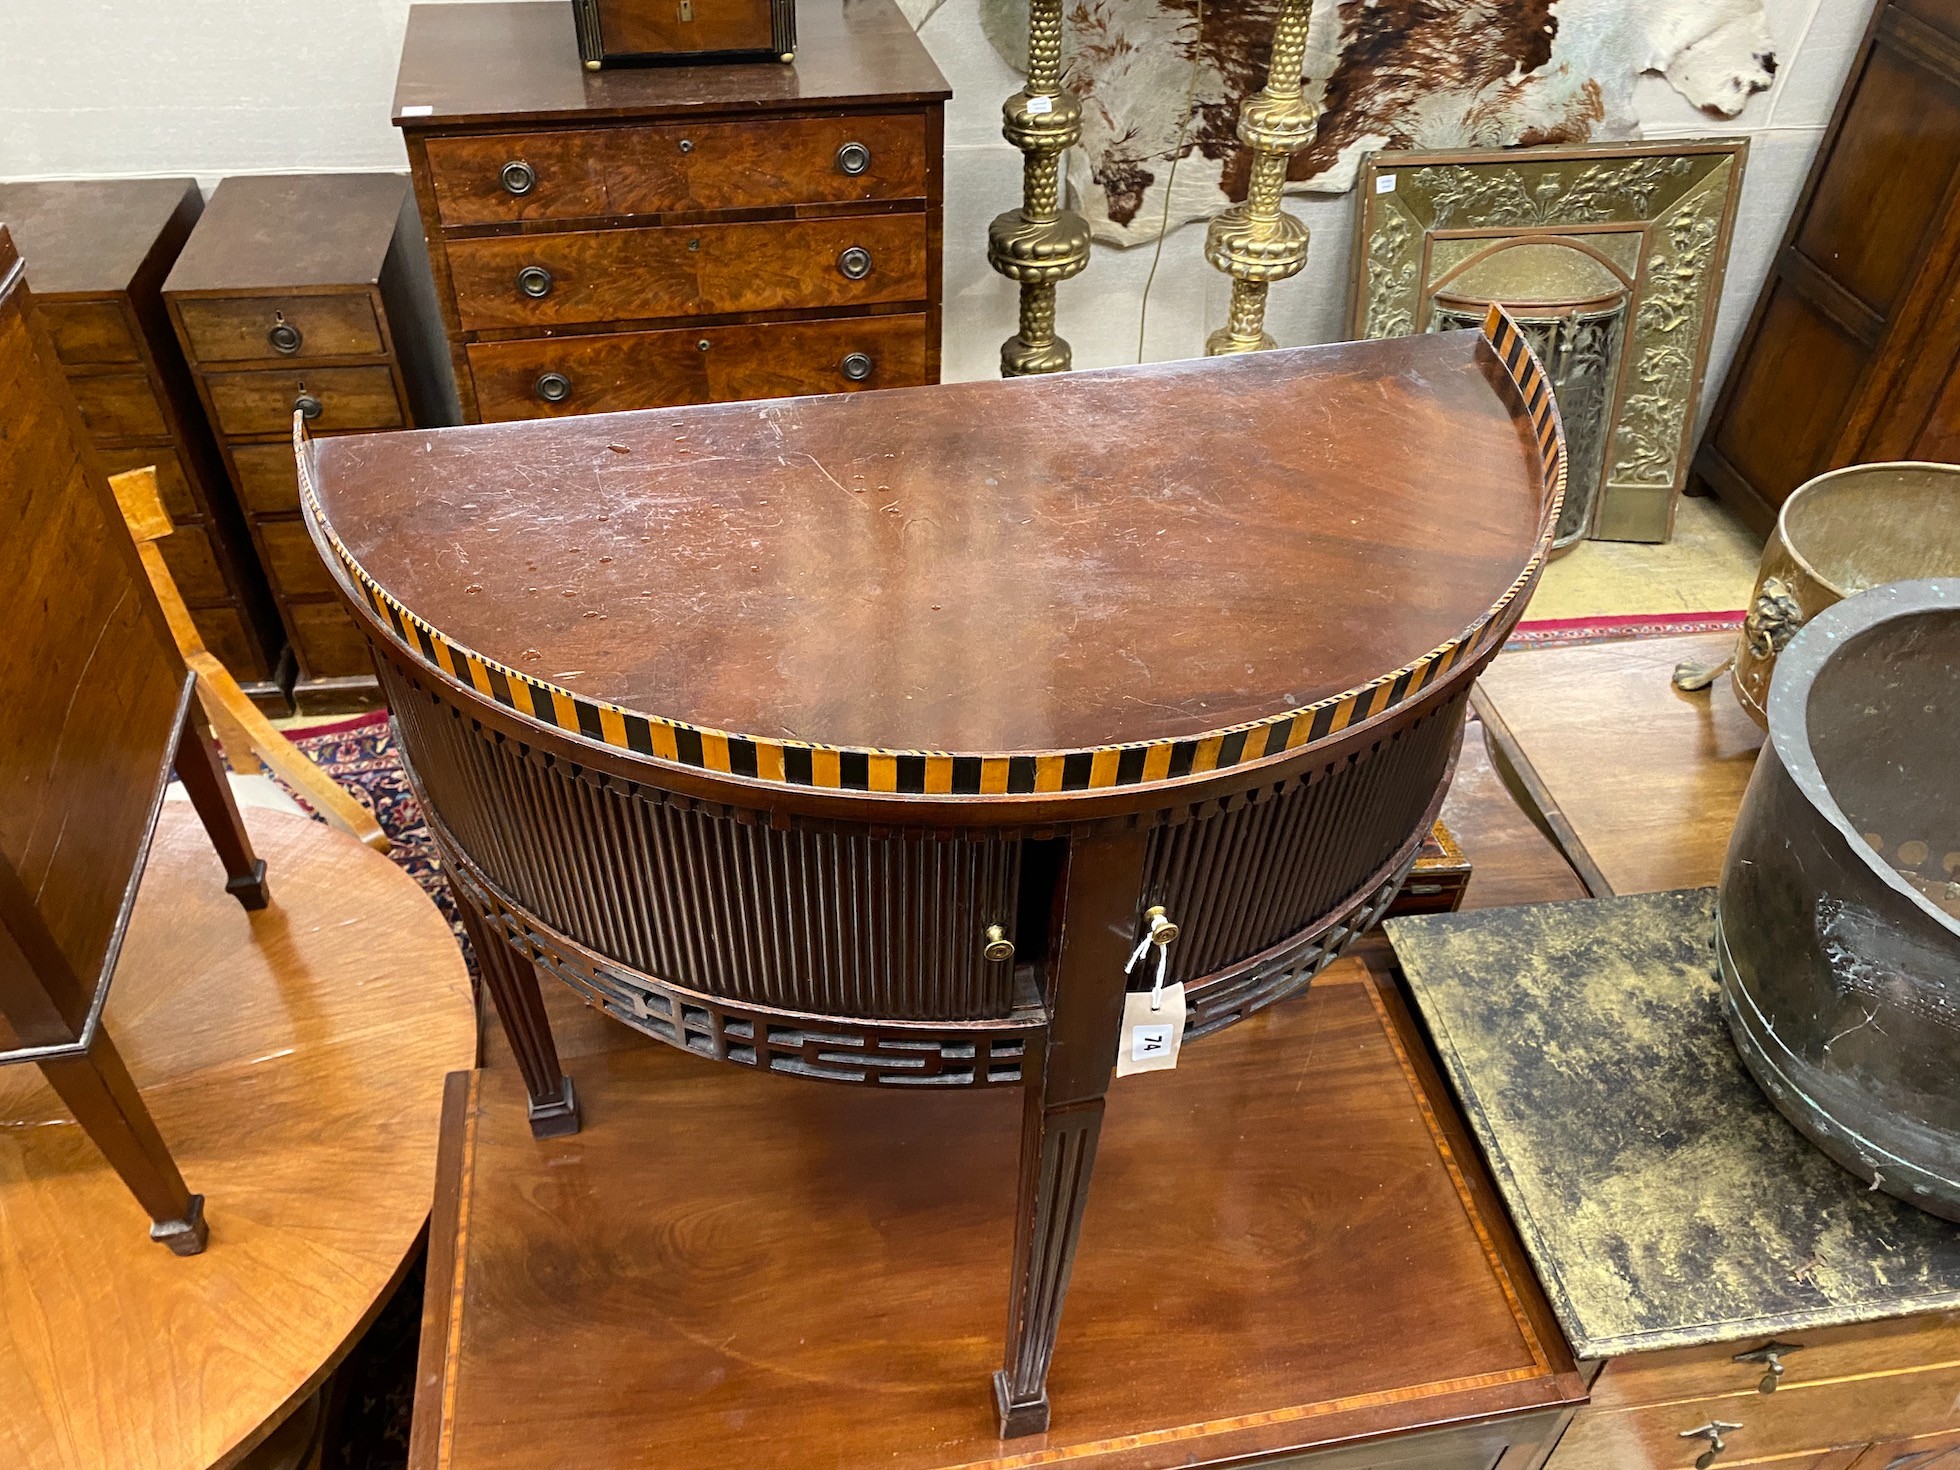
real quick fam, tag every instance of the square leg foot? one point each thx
(185, 1237)
(249, 888)
(1028, 1417)
(556, 1119)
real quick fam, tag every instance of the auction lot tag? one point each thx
(1151, 1037)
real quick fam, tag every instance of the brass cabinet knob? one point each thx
(554, 387)
(999, 946)
(284, 337)
(517, 177)
(1771, 1355)
(856, 366)
(308, 407)
(855, 263)
(853, 159)
(1162, 930)
(534, 281)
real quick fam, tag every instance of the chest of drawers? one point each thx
(308, 292)
(640, 238)
(97, 252)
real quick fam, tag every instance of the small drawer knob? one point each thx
(999, 946)
(308, 407)
(534, 281)
(518, 177)
(284, 337)
(855, 263)
(856, 366)
(554, 387)
(853, 159)
(687, 145)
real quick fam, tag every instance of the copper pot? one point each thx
(1839, 534)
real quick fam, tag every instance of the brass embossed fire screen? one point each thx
(1655, 218)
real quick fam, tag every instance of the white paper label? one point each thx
(1384, 183)
(419, 109)
(1040, 106)
(1150, 1038)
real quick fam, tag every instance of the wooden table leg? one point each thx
(98, 1090)
(512, 982)
(1068, 1074)
(204, 781)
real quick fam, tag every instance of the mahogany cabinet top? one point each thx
(89, 236)
(1156, 554)
(518, 63)
(287, 230)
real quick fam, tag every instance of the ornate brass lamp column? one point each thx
(1257, 242)
(1040, 243)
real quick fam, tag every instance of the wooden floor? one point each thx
(293, 1059)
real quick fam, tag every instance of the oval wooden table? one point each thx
(294, 1060)
(874, 738)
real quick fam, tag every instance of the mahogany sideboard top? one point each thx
(97, 252)
(1137, 554)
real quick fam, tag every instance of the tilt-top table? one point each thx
(867, 738)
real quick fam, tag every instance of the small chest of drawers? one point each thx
(96, 253)
(645, 237)
(308, 293)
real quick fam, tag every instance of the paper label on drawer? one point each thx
(1040, 106)
(1151, 1036)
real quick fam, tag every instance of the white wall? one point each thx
(212, 87)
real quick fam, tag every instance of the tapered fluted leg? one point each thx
(97, 1089)
(512, 982)
(1066, 1076)
(203, 775)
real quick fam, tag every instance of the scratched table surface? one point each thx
(1662, 1199)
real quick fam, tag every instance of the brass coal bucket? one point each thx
(1838, 919)
(1839, 534)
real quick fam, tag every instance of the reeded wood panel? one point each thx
(687, 270)
(839, 923)
(1249, 877)
(671, 167)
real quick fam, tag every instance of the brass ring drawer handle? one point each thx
(518, 177)
(554, 387)
(856, 366)
(534, 281)
(855, 263)
(853, 159)
(284, 337)
(308, 407)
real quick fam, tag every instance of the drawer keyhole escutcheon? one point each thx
(856, 366)
(853, 159)
(307, 406)
(284, 336)
(554, 387)
(693, 244)
(1712, 1431)
(704, 344)
(687, 10)
(1771, 1355)
(518, 177)
(534, 281)
(855, 263)
(687, 145)
(999, 946)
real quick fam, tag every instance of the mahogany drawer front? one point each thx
(668, 167)
(624, 370)
(687, 270)
(1809, 1417)
(240, 328)
(1822, 1354)
(262, 402)
(267, 478)
(194, 565)
(90, 332)
(291, 560)
(119, 406)
(327, 641)
(172, 483)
